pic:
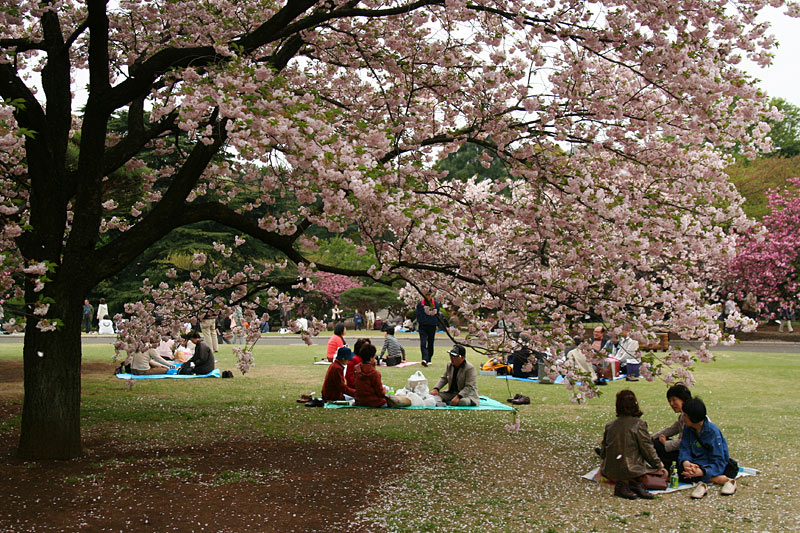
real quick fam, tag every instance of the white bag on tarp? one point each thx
(416, 399)
(429, 401)
(417, 379)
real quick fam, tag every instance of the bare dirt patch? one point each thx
(248, 485)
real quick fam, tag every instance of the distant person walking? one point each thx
(428, 320)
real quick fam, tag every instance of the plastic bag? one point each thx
(416, 399)
(416, 379)
(429, 401)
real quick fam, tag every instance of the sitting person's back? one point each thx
(369, 388)
(334, 388)
(627, 449)
(336, 341)
(396, 352)
(148, 362)
(105, 326)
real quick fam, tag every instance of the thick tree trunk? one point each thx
(51, 412)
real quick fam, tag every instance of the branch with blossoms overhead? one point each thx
(289, 120)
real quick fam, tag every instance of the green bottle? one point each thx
(673, 478)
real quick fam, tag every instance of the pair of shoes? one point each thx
(600, 381)
(424, 362)
(522, 400)
(623, 490)
(315, 402)
(729, 488)
(598, 451)
(641, 491)
(304, 398)
(699, 491)
(516, 397)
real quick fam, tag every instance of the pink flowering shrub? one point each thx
(767, 262)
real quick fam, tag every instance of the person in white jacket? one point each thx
(102, 310)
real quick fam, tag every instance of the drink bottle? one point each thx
(673, 478)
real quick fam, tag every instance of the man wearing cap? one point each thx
(461, 378)
(202, 362)
(334, 388)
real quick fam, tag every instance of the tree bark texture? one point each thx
(51, 412)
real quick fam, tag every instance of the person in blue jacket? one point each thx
(704, 452)
(428, 321)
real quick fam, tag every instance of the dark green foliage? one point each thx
(785, 134)
(465, 163)
(374, 297)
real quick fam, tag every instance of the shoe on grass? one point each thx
(729, 488)
(623, 490)
(699, 491)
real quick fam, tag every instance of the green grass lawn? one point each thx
(471, 471)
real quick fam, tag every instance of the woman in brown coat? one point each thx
(627, 449)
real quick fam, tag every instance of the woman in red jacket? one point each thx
(350, 372)
(334, 388)
(369, 389)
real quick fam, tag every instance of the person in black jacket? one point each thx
(202, 362)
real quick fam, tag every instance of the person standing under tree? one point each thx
(87, 316)
(102, 310)
(428, 321)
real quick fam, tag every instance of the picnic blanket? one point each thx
(322, 362)
(406, 363)
(487, 404)
(213, 374)
(595, 476)
(559, 380)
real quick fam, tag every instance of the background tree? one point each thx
(785, 133)
(373, 297)
(287, 119)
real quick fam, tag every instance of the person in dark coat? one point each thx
(202, 362)
(428, 320)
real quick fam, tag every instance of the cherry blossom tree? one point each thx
(330, 286)
(605, 115)
(768, 260)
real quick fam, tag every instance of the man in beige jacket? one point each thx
(462, 379)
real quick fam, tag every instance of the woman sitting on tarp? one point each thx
(370, 391)
(350, 371)
(149, 362)
(627, 449)
(336, 341)
(335, 388)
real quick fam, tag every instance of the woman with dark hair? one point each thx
(336, 341)
(350, 373)
(627, 449)
(369, 388)
(666, 448)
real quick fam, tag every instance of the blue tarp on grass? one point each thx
(213, 374)
(487, 404)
